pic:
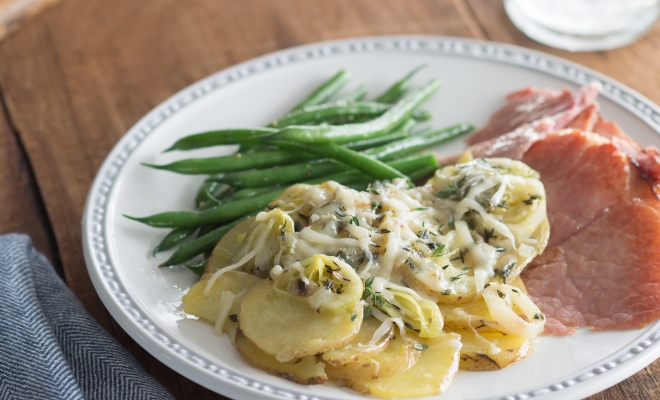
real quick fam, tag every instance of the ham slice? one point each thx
(601, 268)
(530, 104)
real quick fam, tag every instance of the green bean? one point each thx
(232, 163)
(359, 161)
(200, 245)
(421, 115)
(219, 214)
(356, 94)
(417, 115)
(211, 191)
(259, 159)
(341, 112)
(175, 237)
(299, 171)
(423, 172)
(394, 92)
(368, 161)
(401, 133)
(329, 111)
(217, 191)
(418, 142)
(250, 192)
(326, 90)
(340, 134)
(245, 136)
(406, 165)
(198, 267)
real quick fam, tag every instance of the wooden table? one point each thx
(75, 78)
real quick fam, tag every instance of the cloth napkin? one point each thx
(50, 348)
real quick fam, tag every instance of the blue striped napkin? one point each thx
(50, 348)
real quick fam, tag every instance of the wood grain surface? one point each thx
(74, 78)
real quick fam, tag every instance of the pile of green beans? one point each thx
(348, 140)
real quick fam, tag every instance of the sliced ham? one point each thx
(646, 159)
(601, 268)
(587, 119)
(530, 104)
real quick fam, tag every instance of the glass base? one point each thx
(571, 42)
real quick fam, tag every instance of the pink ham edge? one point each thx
(528, 105)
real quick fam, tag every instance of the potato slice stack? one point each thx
(422, 282)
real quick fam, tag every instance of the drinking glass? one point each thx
(583, 25)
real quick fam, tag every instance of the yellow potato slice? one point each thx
(492, 351)
(207, 306)
(465, 317)
(359, 347)
(337, 286)
(264, 240)
(430, 375)
(224, 251)
(397, 357)
(290, 329)
(195, 302)
(306, 371)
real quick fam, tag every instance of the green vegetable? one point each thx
(175, 237)
(247, 136)
(396, 116)
(296, 172)
(232, 163)
(390, 120)
(340, 112)
(394, 92)
(211, 191)
(325, 91)
(356, 94)
(418, 142)
(198, 246)
(359, 161)
(221, 213)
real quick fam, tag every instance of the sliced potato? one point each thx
(333, 286)
(465, 317)
(397, 357)
(359, 347)
(224, 251)
(491, 351)
(306, 371)
(430, 375)
(263, 242)
(206, 306)
(291, 329)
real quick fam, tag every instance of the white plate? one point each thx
(145, 299)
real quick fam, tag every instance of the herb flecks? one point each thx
(531, 199)
(448, 191)
(412, 264)
(506, 271)
(439, 251)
